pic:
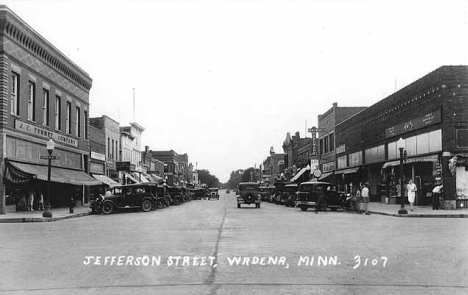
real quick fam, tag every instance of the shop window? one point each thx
(411, 145)
(355, 159)
(435, 141)
(342, 162)
(422, 142)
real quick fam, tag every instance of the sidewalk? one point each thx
(36, 216)
(419, 211)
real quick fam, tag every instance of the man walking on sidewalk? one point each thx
(365, 196)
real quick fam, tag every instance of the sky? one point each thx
(223, 81)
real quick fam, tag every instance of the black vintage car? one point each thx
(248, 194)
(279, 189)
(319, 195)
(133, 196)
(176, 195)
(266, 193)
(289, 195)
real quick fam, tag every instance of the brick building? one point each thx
(44, 95)
(326, 137)
(272, 167)
(295, 163)
(111, 139)
(431, 116)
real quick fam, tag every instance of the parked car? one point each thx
(289, 195)
(248, 194)
(319, 195)
(279, 189)
(176, 194)
(266, 192)
(214, 193)
(133, 196)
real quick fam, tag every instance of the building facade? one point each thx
(130, 153)
(273, 166)
(327, 147)
(431, 117)
(44, 95)
(296, 162)
(171, 165)
(111, 138)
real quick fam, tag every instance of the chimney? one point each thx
(297, 134)
(146, 148)
(335, 105)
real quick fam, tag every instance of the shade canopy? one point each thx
(106, 180)
(22, 172)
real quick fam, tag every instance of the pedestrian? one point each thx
(30, 200)
(357, 199)
(365, 196)
(435, 195)
(41, 202)
(411, 188)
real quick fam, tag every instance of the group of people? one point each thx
(31, 196)
(361, 195)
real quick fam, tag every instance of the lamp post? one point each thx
(50, 149)
(401, 144)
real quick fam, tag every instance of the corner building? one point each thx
(43, 95)
(431, 116)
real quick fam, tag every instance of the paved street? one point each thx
(286, 251)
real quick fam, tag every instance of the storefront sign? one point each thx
(341, 149)
(417, 123)
(122, 166)
(98, 156)
(26, 127)
(330, 166)
(96, 168)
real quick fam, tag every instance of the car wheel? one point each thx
(322, 205)
(146, 206)
(160, 204)
(107, 208)
(334, 209)
(258, 206)
(238, 205)
(304, 208)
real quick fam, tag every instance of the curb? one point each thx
(42, 219)
(460, 215)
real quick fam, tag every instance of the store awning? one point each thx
(132, 179)
(300, 173)
(144, 178)
(155, 178)
(325, 175)
(432, 158)
(347, 171)
(106, 180)
(18, 172)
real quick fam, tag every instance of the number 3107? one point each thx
(360, 261)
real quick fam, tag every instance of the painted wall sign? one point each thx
(98, 156)
(57, 137)
(417, 123)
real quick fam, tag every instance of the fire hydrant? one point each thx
(72, 204)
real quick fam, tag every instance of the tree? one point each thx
(210, 180)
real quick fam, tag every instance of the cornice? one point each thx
(20, 32)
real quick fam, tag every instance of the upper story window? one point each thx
(14, 98)
(85, 125)
(31, 101)
(58, 112)
(78, 122)
(45, 108)
(332, 141)
(68, 119)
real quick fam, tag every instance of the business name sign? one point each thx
(417, 123)
(57, 137)
(98, 156)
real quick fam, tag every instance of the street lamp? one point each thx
(50, 149)
(401, 145)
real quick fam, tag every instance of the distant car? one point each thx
(228, 191)
(133, 196)
(214, 193)
(319, 195)
(248, 194)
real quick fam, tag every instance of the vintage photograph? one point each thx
(221, 147)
